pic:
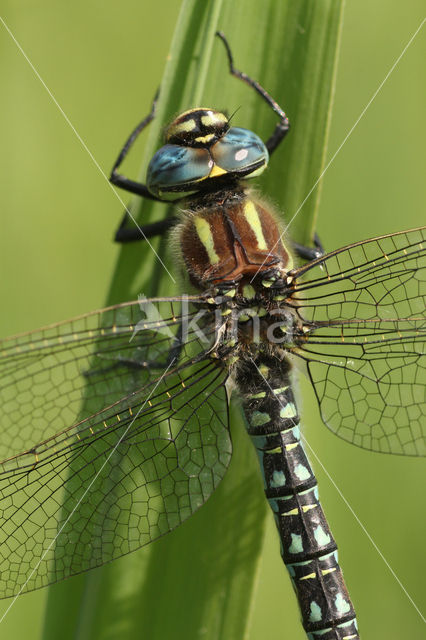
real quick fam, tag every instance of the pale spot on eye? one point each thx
(241, 155)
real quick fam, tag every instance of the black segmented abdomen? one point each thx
(307, 546)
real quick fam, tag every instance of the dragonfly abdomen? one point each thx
(308, 548)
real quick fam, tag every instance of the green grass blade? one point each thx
(200, 580)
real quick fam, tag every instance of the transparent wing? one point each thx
(363, 340)
(45, 373)
(117, 478)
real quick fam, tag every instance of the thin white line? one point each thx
(364, 530)
(349, 506)
(373, 97)
(345, 139)
(84, 494)
(83, 144)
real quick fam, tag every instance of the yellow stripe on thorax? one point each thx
(206, 237)
(253, 221)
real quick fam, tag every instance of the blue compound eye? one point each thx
(238, 150)
(173, 167)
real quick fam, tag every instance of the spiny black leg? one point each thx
(119, 362)
(125, 363)
(283, 125)
(309, 253)
(134, 234)
(121, 181)
(139, 365)
(176, 348)
(318, 244)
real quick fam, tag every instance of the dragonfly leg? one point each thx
(128, 363)
(133, 234)
(118, 179)
(119, 362)
(138, 188)
(283, 125)
(135, 364)
(309, 253)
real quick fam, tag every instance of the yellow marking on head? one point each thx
(182, 127)
(204, 233)
(209, 120)
(206, 138)
(253, 220)
(257, 172)
(216, 171)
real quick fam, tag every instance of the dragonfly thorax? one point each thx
(232, 241)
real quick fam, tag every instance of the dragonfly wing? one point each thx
(363, 339)
(381, 278)
(122, 476)
(45, 374)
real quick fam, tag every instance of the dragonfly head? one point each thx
(203, 153)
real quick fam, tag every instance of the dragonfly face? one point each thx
(151, 441)
(201, 153)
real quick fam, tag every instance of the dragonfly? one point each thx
(82, 485)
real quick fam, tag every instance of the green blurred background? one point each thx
(102, 61)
